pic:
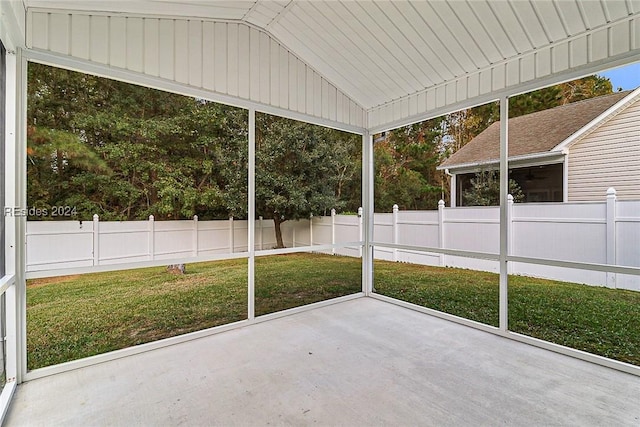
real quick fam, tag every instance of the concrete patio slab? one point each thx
(360, 362)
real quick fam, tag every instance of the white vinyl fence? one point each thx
(600, 233)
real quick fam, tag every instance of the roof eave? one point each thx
(547, 156)
(597, 121)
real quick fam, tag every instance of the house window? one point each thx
(538, 183)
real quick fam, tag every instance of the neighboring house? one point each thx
(564, 154)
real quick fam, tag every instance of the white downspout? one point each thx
(453, 188)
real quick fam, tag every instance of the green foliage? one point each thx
(126, 152)
(405, 167)
(303, 170)
(485, 190)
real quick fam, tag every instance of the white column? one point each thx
(611, 235)
(152, 237)
(504, 231)
(510, 230)
(333, 230)
(394, 230)
(261, 232)
(367, 212)
(195, 235)
(441, 231)
(251, 219)
(311, 230)
(360, 230)
(96, 239)
(15, 195)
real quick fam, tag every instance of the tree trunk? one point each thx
(277, 222)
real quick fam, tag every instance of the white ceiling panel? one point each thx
(392, 58)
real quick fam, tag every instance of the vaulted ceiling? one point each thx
(400, 59)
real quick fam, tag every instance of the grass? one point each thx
(595, 319)
(79, 316)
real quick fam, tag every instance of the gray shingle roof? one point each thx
(533, 133)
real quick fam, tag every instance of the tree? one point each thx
(152, 152)
(301, 169)
(405, 167)
(485, 190)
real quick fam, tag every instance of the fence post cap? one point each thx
(395, 208)
(151, 217)
(611, 191)
(360, 211)
(96, 217)
(510, 198)
(333, 212)
(441, 203)
(195, 217)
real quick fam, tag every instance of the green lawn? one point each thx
(79, 316)
(594, 319)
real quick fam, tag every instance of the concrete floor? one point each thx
(360, 362)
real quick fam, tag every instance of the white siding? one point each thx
(231, 59)
(607, 157)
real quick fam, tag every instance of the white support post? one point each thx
(251, 218)
(333, 230)
(20, 182)
(311, 230)
(360, 230)
(261, 232)
(504, 225)
(96, 239)
(367, 213)
(231, 233)
(152, 237)
(294, 234)
(442, 261)
(510, 230)
(611, 235)
(195, 235)
(15, 314)
(394, 230)
(453, 191)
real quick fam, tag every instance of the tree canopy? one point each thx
(126, 152)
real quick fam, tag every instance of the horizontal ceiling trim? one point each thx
(127, 76)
